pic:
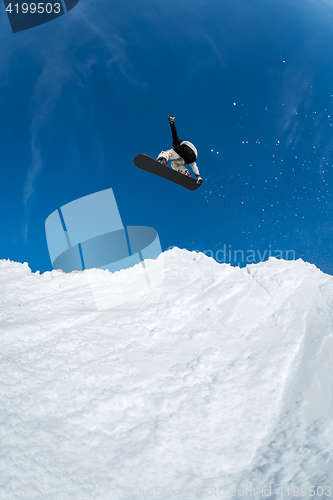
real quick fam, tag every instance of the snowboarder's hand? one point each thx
(199, 179)
(171, 119)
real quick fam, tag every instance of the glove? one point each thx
(171, 119)
(199, 180)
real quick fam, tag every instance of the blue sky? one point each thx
(250, 83)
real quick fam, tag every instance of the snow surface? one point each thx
(220, 378)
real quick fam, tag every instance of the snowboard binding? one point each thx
(162, 160)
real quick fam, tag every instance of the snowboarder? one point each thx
(183, 152)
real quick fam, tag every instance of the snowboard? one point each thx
(155, 167)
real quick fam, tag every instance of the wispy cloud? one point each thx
(63, 54)
(296, 98)
(67, 58)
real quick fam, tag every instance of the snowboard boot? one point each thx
(187, 172)
(162, 160)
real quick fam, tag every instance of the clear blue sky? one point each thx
(250, 83)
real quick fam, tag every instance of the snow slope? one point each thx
(220, 379)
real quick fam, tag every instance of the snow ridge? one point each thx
(220, 377)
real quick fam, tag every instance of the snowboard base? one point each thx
(148, 164)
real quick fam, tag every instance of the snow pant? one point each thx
(178, 163)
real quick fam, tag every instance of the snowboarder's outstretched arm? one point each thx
(175, 138)
(185, 149)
